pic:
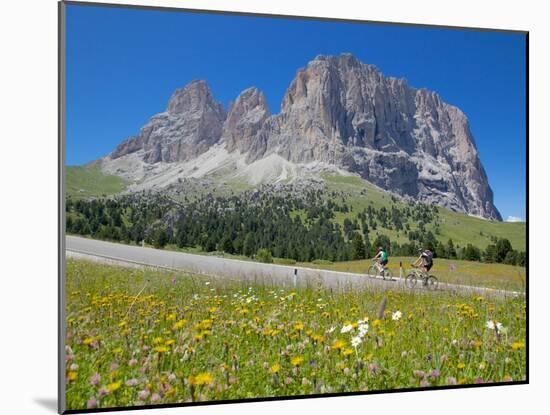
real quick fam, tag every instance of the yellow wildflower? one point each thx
(347, 352)
(299, 326)
(203, 379)
(518, 345)
(87, 341)
(111, 387)
(296, 361)
(179, 324)
(338, 345)
(317, 338)
(275, 368)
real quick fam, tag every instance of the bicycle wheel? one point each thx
(411, 280)
(387, 274)
(373, 271)
(432, 283)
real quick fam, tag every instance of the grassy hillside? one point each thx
(89, 181)
(463, 229)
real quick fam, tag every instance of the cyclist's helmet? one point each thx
(380, 248)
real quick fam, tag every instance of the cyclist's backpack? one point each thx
(429, 255)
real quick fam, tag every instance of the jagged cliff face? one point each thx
(191, 124)
(246, 117)
(340, 112)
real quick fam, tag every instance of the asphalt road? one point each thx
(220, 267)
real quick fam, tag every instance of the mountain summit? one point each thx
(338, 113)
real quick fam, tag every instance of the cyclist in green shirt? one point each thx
(382, 257)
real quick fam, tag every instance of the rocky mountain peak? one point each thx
(337, 111)
(195, 97)
(192, 123)
(245, 119)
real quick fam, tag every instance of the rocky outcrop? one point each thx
(244, 121)
(340, 111)
(191, 124)
(337, 111)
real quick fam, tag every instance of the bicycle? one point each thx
(415, 274)
(376, 269)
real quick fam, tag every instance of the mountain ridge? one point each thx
(337, 113)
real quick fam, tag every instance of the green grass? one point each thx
(468, 229)
(501, 276)
(89, 181)
(461, 228)
(140, 337)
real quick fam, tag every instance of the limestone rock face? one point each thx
(191, 124)
(343, 112)
(244, 121)
(340, 112)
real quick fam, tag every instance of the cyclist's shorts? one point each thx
(429, 265)
(384, 262)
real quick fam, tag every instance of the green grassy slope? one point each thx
(461, 228)
(90, 181)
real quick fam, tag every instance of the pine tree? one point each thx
(358, 247)
(226, 245)
(451, 251)
(249, 246)
(503, 246)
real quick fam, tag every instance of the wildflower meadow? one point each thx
(141, 337)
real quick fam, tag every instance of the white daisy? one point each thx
(397, 315)
(494, 325)
(346, 329)
(363, 329)
(356, 341)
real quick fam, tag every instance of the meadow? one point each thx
(87, 181)
(140, 337)
(453, 271)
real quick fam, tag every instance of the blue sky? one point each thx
(123, 65)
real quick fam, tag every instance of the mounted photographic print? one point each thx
(264, 207)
